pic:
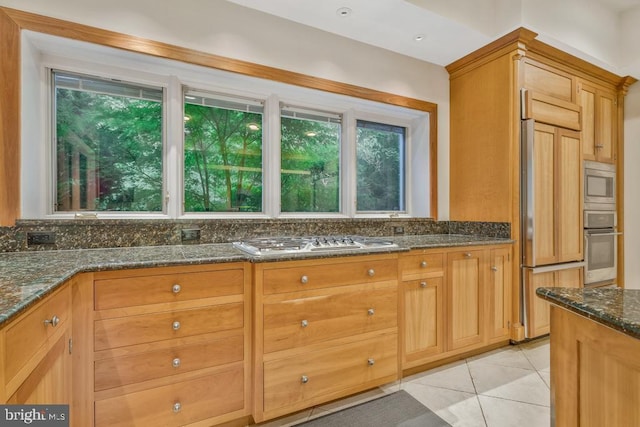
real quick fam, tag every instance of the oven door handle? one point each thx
(613, 233)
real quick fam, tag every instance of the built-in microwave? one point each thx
(599, 186)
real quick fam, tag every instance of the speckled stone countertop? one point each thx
(26, 277)
(616, 308)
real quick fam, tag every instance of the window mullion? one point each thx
(174, 143)
(271, 157)
(348, 164)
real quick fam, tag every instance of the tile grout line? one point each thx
(484, 418)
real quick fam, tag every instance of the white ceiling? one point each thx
(451, 28)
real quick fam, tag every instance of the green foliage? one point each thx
(118, 142)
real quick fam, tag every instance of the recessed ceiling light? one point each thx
(253, 126)
(344, 12)
(419, 37)
(310, 133)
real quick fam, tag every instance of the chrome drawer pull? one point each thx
(467, 255)
(371, 362)
(176, 288)
(304, 323)
(304, 280)
(371, 312)
(175, 362)
(423, 284)
(53, 321)
(371, 272)
(175, 325)
(304, 379)
(177, 407)
(423, 264)
(494, 268)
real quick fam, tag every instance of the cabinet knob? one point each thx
(176, 288)
(467, 254)
(53, 321)
(177, 407)
(423, 284)
(494, 268)
(424, 264)
(304, 379)
(371, 362)
(371, 272)
(175, 325)
(304, 280)
(371, 312)
(175, 362)
(304, 323)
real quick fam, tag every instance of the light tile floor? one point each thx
(502, 388)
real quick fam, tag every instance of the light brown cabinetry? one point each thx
(538, 309)
(599, 121)
(36, 361)
(323, 329)
(168, 346)
(487, 108)
(453, 301)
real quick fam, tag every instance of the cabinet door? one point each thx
(599, 122)
(569, 196)
(537, 308)
(465, 298)
(50, 381)
(544, 179)
(499, 294)
(423, 320)
(606, 126)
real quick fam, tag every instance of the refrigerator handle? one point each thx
(527, 192)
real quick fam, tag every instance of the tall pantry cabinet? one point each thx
(491, 91)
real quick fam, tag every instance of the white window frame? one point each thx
(41, 51)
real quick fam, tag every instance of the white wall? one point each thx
(233, 31)
(631, 190)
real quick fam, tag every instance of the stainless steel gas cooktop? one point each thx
(262, 246)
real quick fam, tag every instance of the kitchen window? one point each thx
(108, 145)
(380, 162)
(222, 153)
(310, 160)
(132, 136)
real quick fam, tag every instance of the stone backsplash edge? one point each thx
(88, 234)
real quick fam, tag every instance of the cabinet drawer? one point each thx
(122, 331)
(120, 371)
(293, 380)
(26, 336)
(162, 288)
(175, 404)
(419, 264)
(304, 277)
(303, 321)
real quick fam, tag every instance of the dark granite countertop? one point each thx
(616, 308)
(26, 277)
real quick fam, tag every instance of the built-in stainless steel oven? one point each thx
(600, 247)
(599, 186)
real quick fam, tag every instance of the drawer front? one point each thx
(120, 371)
(163, 288)
(416, 265)
(176, 404)
(123, 331)
(301, 278)
(24, 337)
(296, 379)
(300, 322)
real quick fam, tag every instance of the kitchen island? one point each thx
(595, 368)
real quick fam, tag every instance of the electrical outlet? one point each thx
(41, 238)
(190, 234)
(398, 230)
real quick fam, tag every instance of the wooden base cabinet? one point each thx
(323, 329)
(165, 346)
(36, 359)
(453, 301)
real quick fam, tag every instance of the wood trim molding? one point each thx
(13, 21)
